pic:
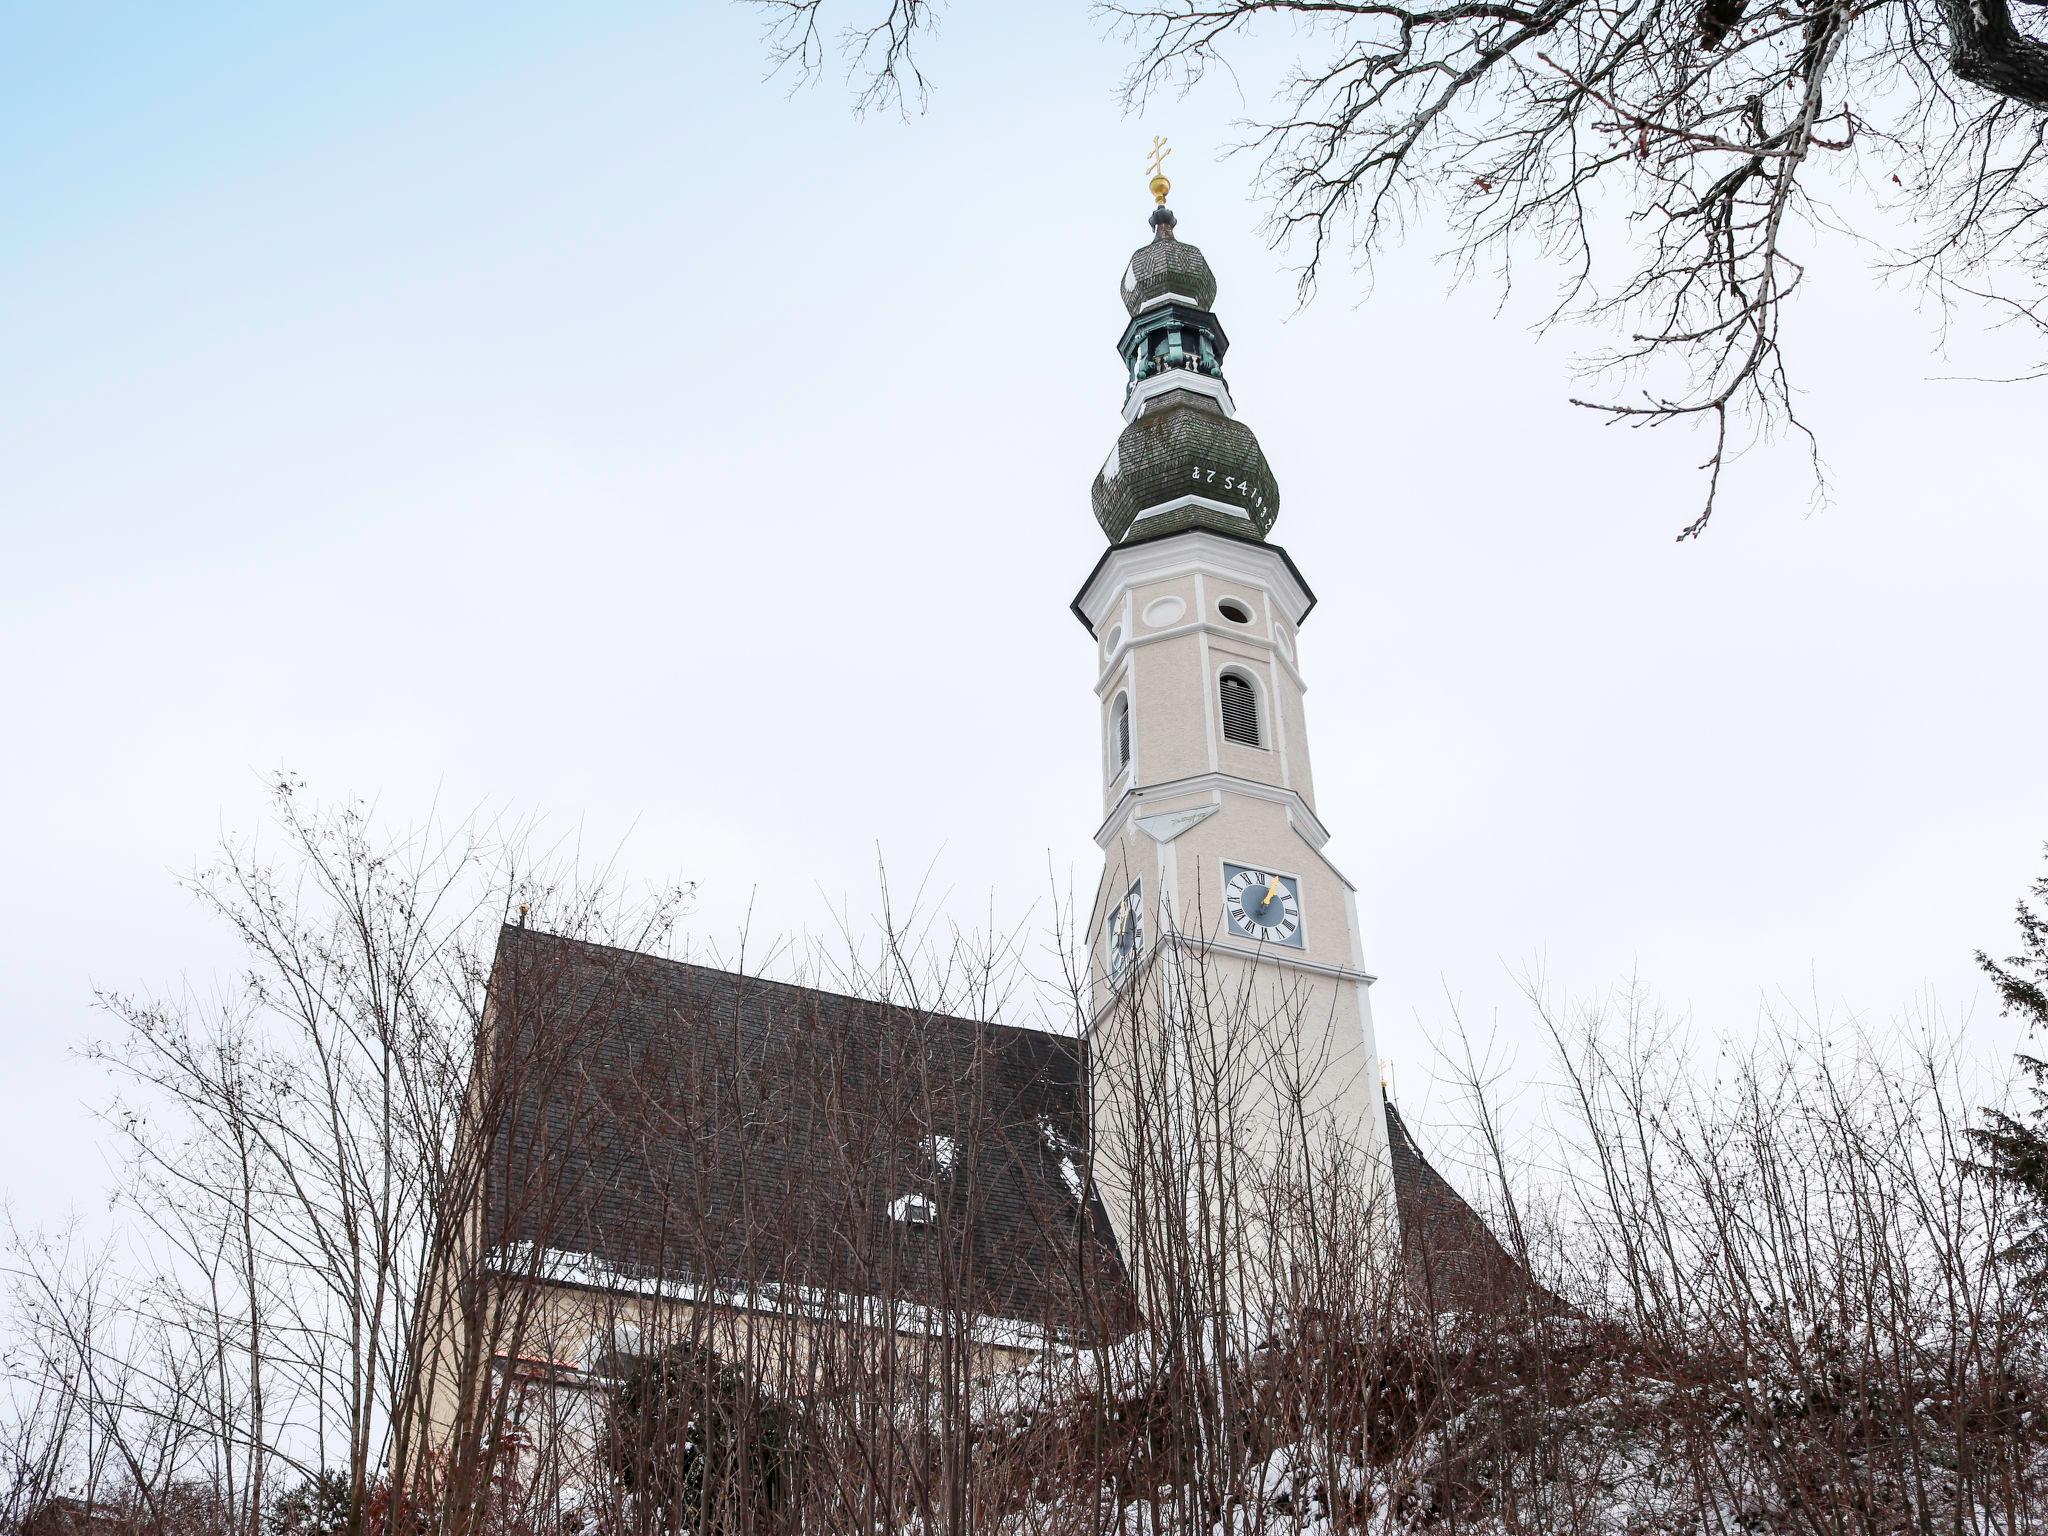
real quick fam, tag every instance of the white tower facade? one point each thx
(1229, 1001)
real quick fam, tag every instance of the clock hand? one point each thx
(1272, 890)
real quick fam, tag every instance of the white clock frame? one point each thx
(1117, 964)
(1299, 938)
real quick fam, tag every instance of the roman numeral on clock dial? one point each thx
(1262, 904)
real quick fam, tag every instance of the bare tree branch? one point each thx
(1680, 157)
(880, 56)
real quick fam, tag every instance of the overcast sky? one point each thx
(532, 407)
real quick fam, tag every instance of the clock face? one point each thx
(1262, 905)
(1126, 930)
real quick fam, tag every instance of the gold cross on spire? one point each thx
(1160, 185)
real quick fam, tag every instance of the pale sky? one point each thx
(532, 407)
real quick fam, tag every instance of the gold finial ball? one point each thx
(1160, 185)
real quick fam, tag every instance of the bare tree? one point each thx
(102, 1387)
(880, 52)
(294, 1154)
(435, 1244)
(1686, 161)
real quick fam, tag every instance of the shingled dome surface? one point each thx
(1167, 268)
(1184, 447)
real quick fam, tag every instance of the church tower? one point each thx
(1216, 898)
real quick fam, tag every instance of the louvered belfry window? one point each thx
(1120, 725)
(1240, 710)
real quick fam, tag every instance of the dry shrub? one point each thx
(1775, 1291)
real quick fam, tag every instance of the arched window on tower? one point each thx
(1120, 734)
(1240, 709)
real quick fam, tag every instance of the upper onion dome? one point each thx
(1166, 268)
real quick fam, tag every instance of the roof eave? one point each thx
(1294, 571)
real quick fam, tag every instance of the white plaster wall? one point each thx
(1263, 816)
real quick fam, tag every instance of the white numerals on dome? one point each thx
(1231, 485)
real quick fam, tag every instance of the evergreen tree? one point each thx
(2014, 1148)
(321, 1505)
(696, 1447)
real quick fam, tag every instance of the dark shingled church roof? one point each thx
(1453, 1258)
(668, 1121)
(661, 1121)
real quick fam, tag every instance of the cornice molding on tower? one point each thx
(1184, 553)
(1291, 959)
(1163, 508)
(1168, 380)
(1301, 816)
(1257, 955)
(1267, 649)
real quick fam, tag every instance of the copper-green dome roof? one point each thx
(1166, 267)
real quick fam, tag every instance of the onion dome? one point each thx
(1184, 463)
(1167, 269)
(1184, 460)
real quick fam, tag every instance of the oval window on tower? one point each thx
(1240, 703)
(1234, 611)
(1120, 734)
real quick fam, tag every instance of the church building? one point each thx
(777, 1169)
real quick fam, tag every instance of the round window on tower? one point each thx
(1234, 611)
(1162, 611)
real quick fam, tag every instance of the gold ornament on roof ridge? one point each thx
(1160, 185)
